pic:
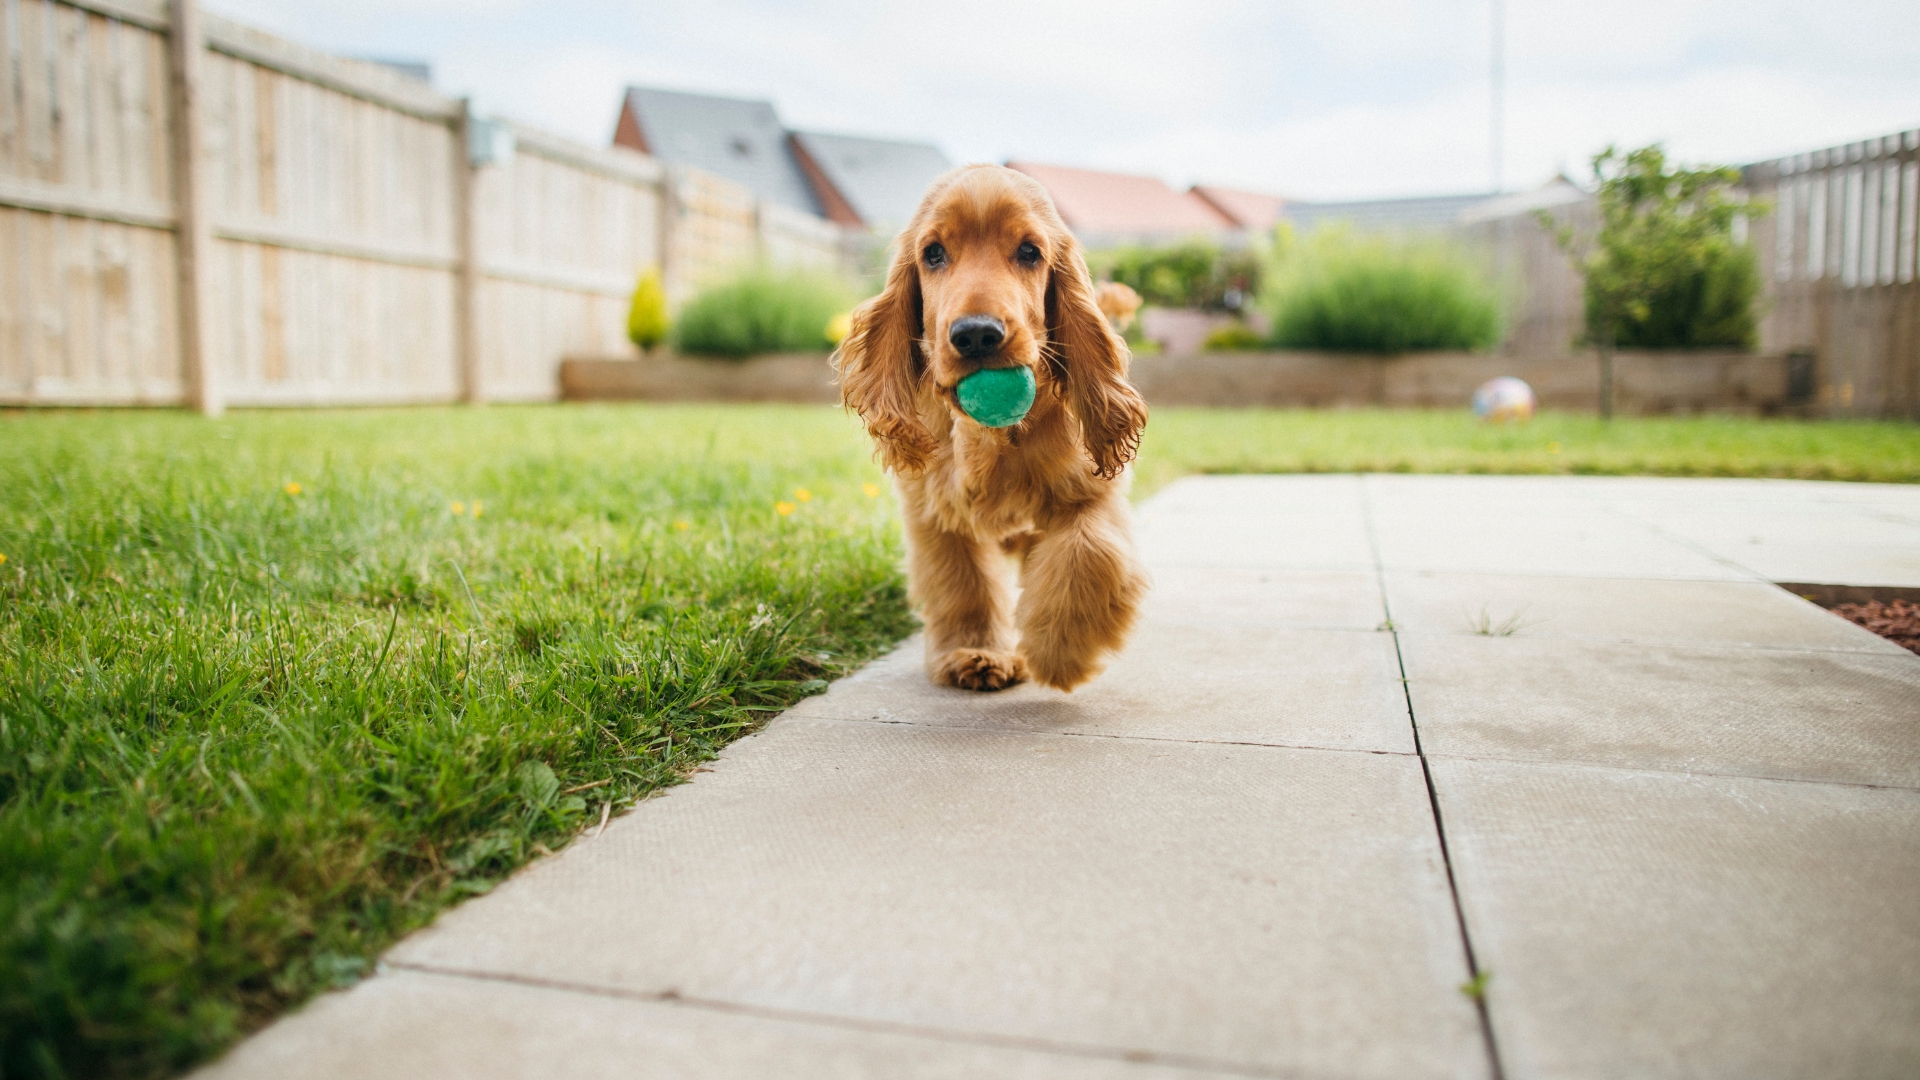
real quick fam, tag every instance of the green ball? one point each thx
(997, 397)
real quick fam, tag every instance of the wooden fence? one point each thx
(332, 240)
(1838, 250)
(1836, 244)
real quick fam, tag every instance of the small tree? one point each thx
(1664, 270)
(647, 317)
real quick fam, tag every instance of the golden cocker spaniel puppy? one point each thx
(987, 276)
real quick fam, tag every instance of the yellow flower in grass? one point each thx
(476, 508)
(292, 488)
(3, 560)
(1553, 448)
(457, 507)
(784, 508)
(683, 525)
(803, 494)
(872, 490)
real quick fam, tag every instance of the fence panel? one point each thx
(341, 262)
(1544, 300)
(714, 228)
(1839, 256)
(334, 261)
(563, 232)
(86, 256)
(792, 238)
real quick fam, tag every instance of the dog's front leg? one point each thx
(1081, 587)
(963, 591)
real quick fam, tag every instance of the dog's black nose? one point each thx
(977, 336)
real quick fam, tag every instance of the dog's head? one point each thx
(985, 276)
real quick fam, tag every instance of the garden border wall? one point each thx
(1645, 383)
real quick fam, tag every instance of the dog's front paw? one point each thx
(979, 669)
(1059, 666)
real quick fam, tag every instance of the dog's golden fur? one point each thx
(1049, 491)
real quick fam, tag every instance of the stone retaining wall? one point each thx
(1644, 382)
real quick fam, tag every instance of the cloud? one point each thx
(1358, 99)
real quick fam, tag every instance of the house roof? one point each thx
(1247, 209)
(882, 179)
(1551, 195)
(1431, 212)
(1117, 205)
(735, 138)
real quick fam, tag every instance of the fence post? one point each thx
(1606, 379)
(466, 282)
(669, 228)
(193, 233)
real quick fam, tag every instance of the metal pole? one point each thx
(466, 285)
(1498, 87)
(193, 233)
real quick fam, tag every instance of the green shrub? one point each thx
(762, 310)
(647, 316)
(1234, 336)
(1345, 293)
(1190, 274)
(1711, 307)
(1664, 271)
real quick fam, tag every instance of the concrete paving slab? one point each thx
(1842, 544)
(1256, 495)
(1650, 925)
(1822, 564)
(1334, 599)
(1833, 716)
(1576, 542)
(1629, 491)
(1338, 689)
(1255, 908)
(1315, 540)
(1620, 609)
(411, 1025)
(1893, 498)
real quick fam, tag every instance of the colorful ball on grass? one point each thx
(1505, 400)
(997, 397)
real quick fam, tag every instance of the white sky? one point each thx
(1327, 100)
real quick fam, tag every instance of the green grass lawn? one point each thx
(1181, 441)
(277, 688)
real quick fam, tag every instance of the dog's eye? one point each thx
(936, 255)
(1028, 255)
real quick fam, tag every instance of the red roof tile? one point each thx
(1248, 209)
(1101, 202)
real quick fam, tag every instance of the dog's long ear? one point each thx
(1091, 361)
(880, 367)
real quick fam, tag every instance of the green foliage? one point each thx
(1664, 271)
(276, 689)
(1233, 336)
(1342, 292)
(1184, 441)
(1191, 274)
(647, 315)
(763, 310)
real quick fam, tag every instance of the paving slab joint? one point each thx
(1186, 1062)
(1475, 987)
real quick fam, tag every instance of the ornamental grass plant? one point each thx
(1341, 291)
(763, 310)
